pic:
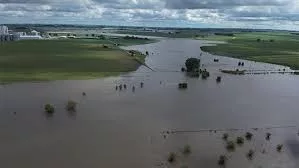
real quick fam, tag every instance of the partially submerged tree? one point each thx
(218, 79)
(250, 154)
(225, 136)
(183, 85)
(71, 106)
(268, 136)
(187, 150)
(192, 64)
(49, 109)
(240, 140)
(279, 147)
(222, 160)
(248, 136)
(171, 157)
(230, 146)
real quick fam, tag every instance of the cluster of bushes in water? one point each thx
(71, 106)
(193, 68)
(231, 145)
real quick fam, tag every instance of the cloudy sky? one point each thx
(276, 14)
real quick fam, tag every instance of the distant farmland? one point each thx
(277, 48)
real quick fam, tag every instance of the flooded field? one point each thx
(125, 129)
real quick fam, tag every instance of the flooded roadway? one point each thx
(123, 129)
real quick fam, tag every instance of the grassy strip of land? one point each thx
(270, 47)
(43, 60)
(128, 42)
(167, 34)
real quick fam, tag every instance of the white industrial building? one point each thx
(33, 35)
(3, 30)
(6, 36)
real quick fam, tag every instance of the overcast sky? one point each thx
(277, 14)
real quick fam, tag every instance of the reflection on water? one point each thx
(123, 128)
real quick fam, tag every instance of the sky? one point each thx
(259, 14)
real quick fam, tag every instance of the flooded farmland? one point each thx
(127, 129)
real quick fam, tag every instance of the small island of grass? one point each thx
(45, 60)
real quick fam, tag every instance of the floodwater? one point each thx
(124, 128)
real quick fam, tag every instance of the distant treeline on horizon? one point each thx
(36, 26)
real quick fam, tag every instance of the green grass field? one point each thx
(282, 50)
(181, 34)
(40, 60)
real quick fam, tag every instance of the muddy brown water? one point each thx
(123, 129)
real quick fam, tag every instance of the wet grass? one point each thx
(276, 48)
(44, 60)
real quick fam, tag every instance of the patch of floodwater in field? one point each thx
(123, 129)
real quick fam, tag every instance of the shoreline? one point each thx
(118, 56)
(278, 49)
(245, 59)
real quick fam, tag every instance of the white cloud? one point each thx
(228, 13)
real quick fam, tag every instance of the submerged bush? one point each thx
(49, 108)
(230, 146)
(71, 106)
(222, 160)
(248, 136)
(225, 136)
(268, 136)
(240, 140)
(250, 154)
(182, 85)
(171, 157)
(279, 147)
(187, 150)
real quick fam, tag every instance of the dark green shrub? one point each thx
(230, 146)
(171, 157)
(71, 106)
(225, 136)
(187, 150)
(240, 140)
(222, 160)
(250, 154)
(49, 108)
(268, 136)
(192, 64)
(248, 136)
(279, 147)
